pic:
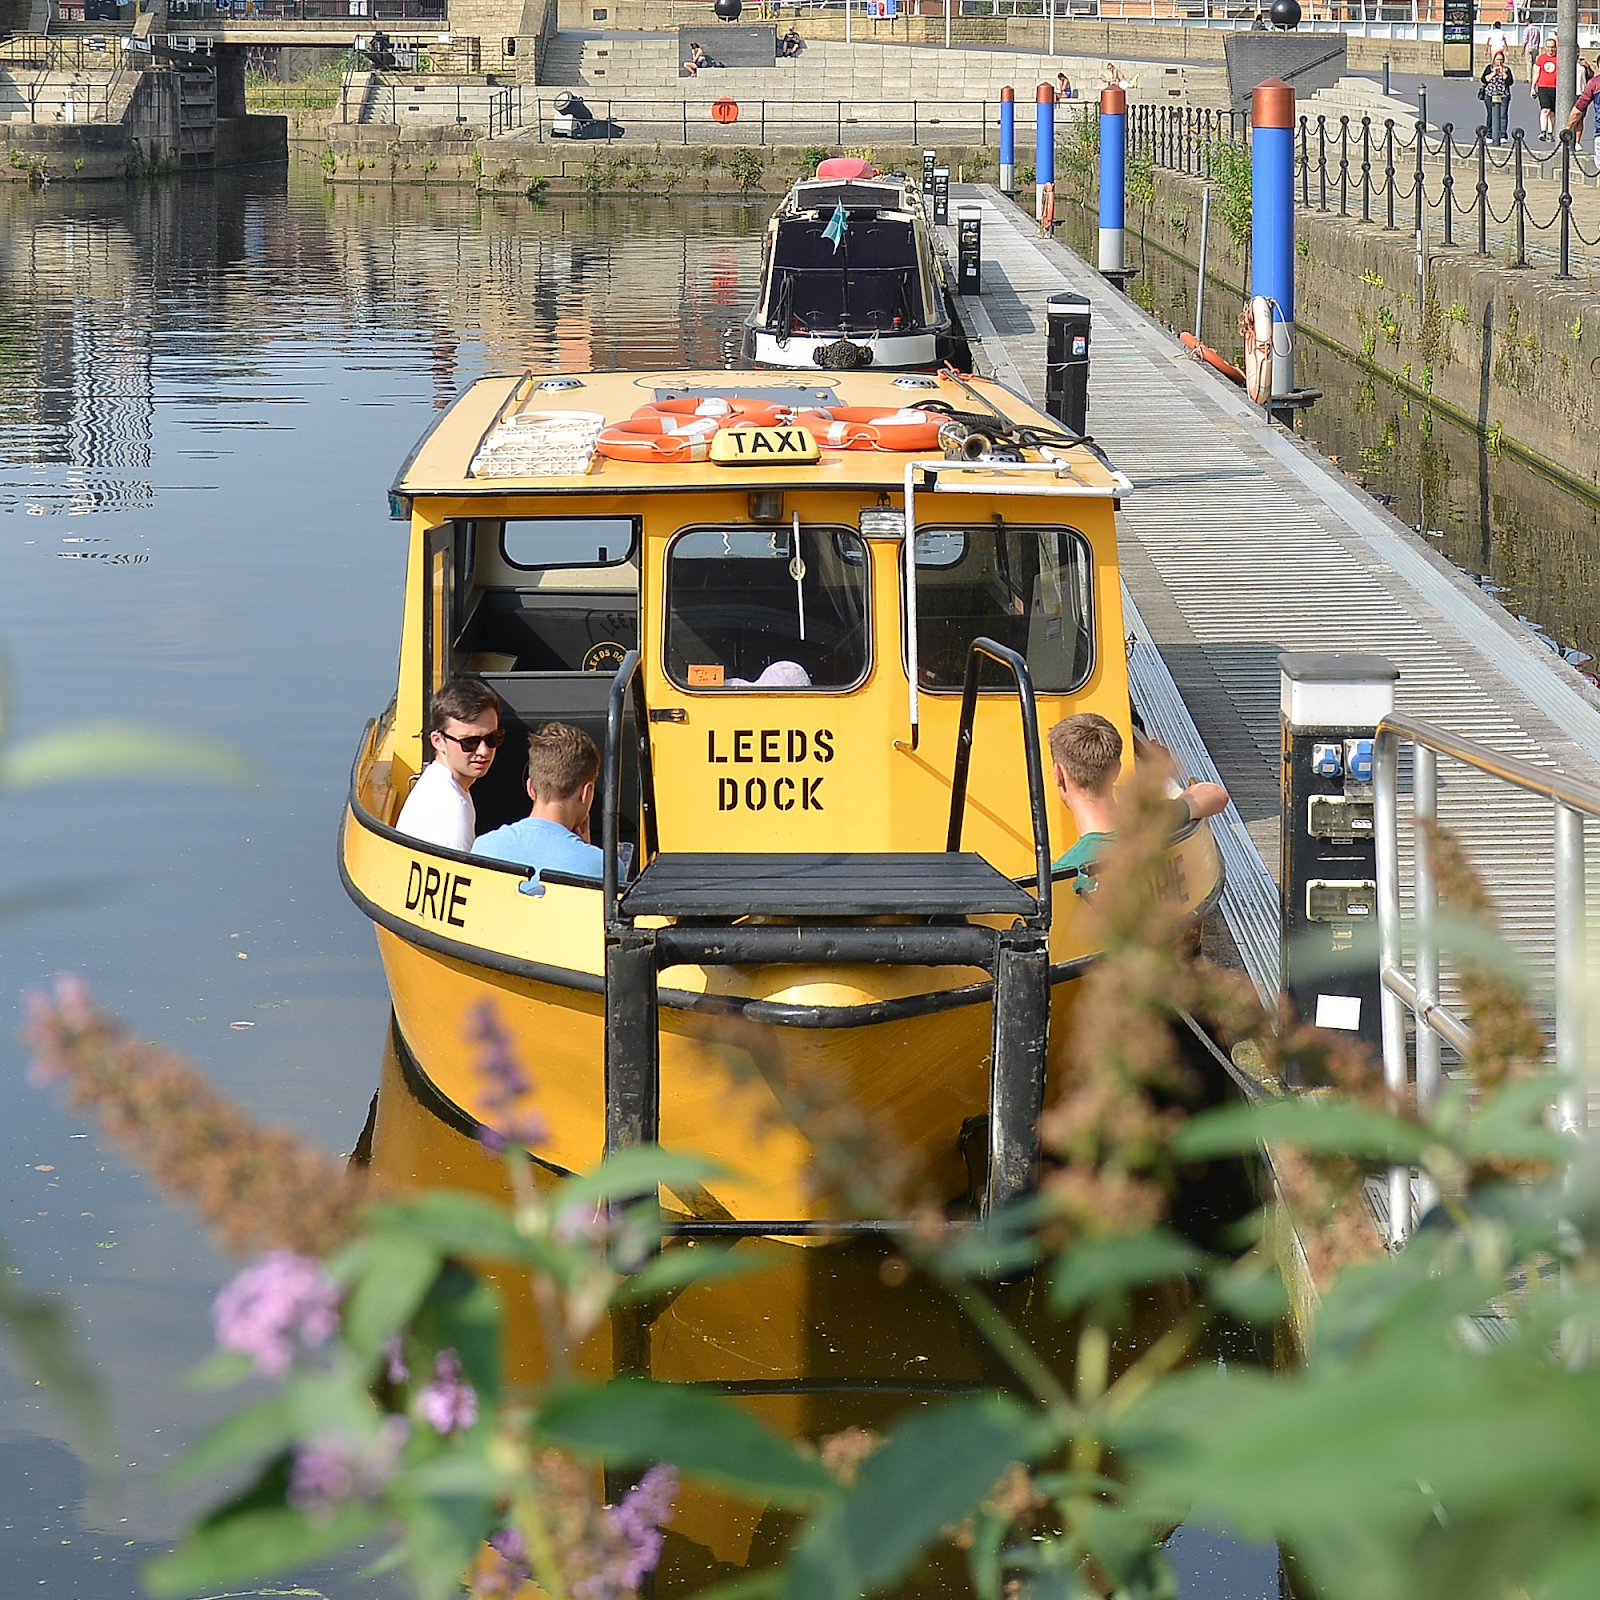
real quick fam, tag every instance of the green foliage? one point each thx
(1372, 279)
(745, 167)
(813, 155)
(1229, 166)
(538, 183)
(1456, 313)
(1302, 247)
(329, 162)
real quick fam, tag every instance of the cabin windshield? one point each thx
(1026, 587)
(868, 282)
(767, 609)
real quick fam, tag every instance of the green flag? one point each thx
(837, 223)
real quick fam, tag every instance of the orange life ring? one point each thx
(871, 428)
(663, 439)
(738, 408)
(724, 110)
(1211, 358)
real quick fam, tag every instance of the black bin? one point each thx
(969, 250)
(1066, 369)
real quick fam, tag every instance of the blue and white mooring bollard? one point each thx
(1044, 155)
(1008, 140)
(1272, 218)
(1113, 177)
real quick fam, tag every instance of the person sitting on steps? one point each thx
(791, 44)
(563, 765)
(1086, 751)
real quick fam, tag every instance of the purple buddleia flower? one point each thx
(279, 1300)
(327, 1473)
(506, 1569)
(70, 1006)
(505, 1085)
(448, 1404)
(630, 1544)
(394, 1360)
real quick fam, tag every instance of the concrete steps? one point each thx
(830, 70)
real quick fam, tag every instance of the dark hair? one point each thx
(1088, 749)
(561, 759)
(461, 700)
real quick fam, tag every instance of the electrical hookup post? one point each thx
(1269, 332)
(1330, 707)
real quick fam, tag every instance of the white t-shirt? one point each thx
(438, 810)
(1496, 41)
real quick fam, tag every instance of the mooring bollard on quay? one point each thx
(1008, 140)
(1044, 157)
(1113, 182)
(1330, 706)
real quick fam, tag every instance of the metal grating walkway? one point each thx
(1240, 542)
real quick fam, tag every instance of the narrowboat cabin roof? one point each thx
(533, 433)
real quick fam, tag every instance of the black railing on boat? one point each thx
(1002, 655)
(611, 782)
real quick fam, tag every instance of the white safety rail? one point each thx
(1414, 996)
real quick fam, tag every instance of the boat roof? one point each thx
(876, 194)
(480, 444)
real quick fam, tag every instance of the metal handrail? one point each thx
(1418, 993)
(627, 677)
(1006, 657)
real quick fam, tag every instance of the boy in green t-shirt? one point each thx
(1087, 754)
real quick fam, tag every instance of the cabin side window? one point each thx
(767, 609)
(546, 609)
(1026, 587)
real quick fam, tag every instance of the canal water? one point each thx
(1518, 533)
(205, 389)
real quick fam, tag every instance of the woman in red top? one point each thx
(1544, 90)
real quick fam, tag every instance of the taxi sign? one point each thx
(764, 447)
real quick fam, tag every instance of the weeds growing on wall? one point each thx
(1229, 166)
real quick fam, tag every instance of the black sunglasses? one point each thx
(471, 741)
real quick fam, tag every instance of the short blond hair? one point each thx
(1088, 749)
(561, 759)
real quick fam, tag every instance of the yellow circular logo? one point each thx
(604, 657)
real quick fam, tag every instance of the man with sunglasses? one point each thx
(464, 730)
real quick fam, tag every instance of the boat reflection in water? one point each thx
(832, 1337)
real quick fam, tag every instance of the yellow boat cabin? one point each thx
(819, 629)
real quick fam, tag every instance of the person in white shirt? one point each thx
(1496, 43)
(464, 730)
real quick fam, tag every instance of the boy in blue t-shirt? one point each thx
(1087, 754)
(562, 767)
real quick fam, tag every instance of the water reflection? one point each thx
(1525, 539)
(831, 1337)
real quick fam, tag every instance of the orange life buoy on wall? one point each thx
(869, 428)
(642, 437)
(724, 110)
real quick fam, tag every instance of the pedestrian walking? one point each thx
(1543, 89)
(1496, 44)
(1495, 92)
(1579, 110)
(1532, 41)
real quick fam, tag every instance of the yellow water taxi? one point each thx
(819, 629)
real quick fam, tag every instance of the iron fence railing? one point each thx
(39, 52)
(674, 119)
(355, 13)
(1398, 176)
(1414, 997)
(1371, 18)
